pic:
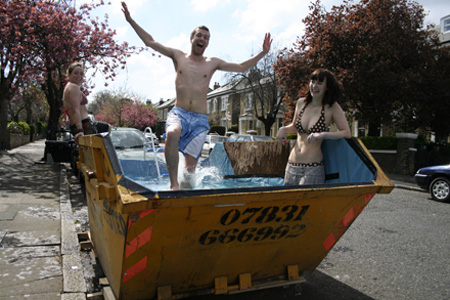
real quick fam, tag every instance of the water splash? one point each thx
(205, 178)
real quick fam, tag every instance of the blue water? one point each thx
(206, 178)
(211, 173)
(342, 164)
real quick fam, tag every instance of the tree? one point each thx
(106, 96)
(122, 109)
(263, 83)
(138, 115)
(111, 111)
(41, 38)
(14, 67)
(433, 111)
(379, 51)
(29, 104)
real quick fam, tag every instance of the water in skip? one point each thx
(203, 178)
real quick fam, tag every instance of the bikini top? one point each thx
(320, 125)
(84, 99)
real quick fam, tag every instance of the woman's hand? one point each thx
(314, 137)
(281, 135)
(77, 136)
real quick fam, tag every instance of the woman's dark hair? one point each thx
(334, 88)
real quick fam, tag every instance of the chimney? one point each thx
(216, 85)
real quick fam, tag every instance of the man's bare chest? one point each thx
(195, 70)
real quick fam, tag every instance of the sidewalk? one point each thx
(39, 248)
(405, 182)
(39, 255)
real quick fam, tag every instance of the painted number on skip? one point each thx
(267, 225)
(261, 215)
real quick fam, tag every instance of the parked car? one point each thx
(149, 135)
(131, 143)
(210, 142)
(249, 138)
(436, 180)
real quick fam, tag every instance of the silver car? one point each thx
(149, 135)
(210, 142)
(131, 143)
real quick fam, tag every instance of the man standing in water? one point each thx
(187, 123)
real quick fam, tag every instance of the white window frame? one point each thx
(445, 24)
(208, 106)
(249, 102)
(215, 100)
(224, 103)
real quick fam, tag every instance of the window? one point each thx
(280, 123)
(249, 102)
(445, 24)
(215, 104)
(224, 103)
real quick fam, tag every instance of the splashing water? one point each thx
(205, 178)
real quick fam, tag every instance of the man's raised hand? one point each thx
(125, 11)
(267, 43)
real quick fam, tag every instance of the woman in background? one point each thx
(75, 102)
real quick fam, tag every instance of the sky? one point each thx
(237, 31)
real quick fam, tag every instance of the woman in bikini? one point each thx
(313, 115)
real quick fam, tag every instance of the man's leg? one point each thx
(190, 164)
(173, 133)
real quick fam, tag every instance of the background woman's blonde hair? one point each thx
(73, 66)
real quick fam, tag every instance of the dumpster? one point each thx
(154, 243)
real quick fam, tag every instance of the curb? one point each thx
(409, 187)
(74, 285)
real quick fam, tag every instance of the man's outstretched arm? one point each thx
(244, 66)
(145, 36)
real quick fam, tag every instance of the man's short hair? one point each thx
(197, 28)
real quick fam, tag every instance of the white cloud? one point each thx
(282, 18)
(133, 6)
(205, 5)
(122, 32)
(181, 42)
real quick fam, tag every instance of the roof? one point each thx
(168, 103)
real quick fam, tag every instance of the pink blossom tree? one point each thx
(138, 115)
(111, 112)
(40, 39)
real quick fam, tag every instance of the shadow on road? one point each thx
(318, 286)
